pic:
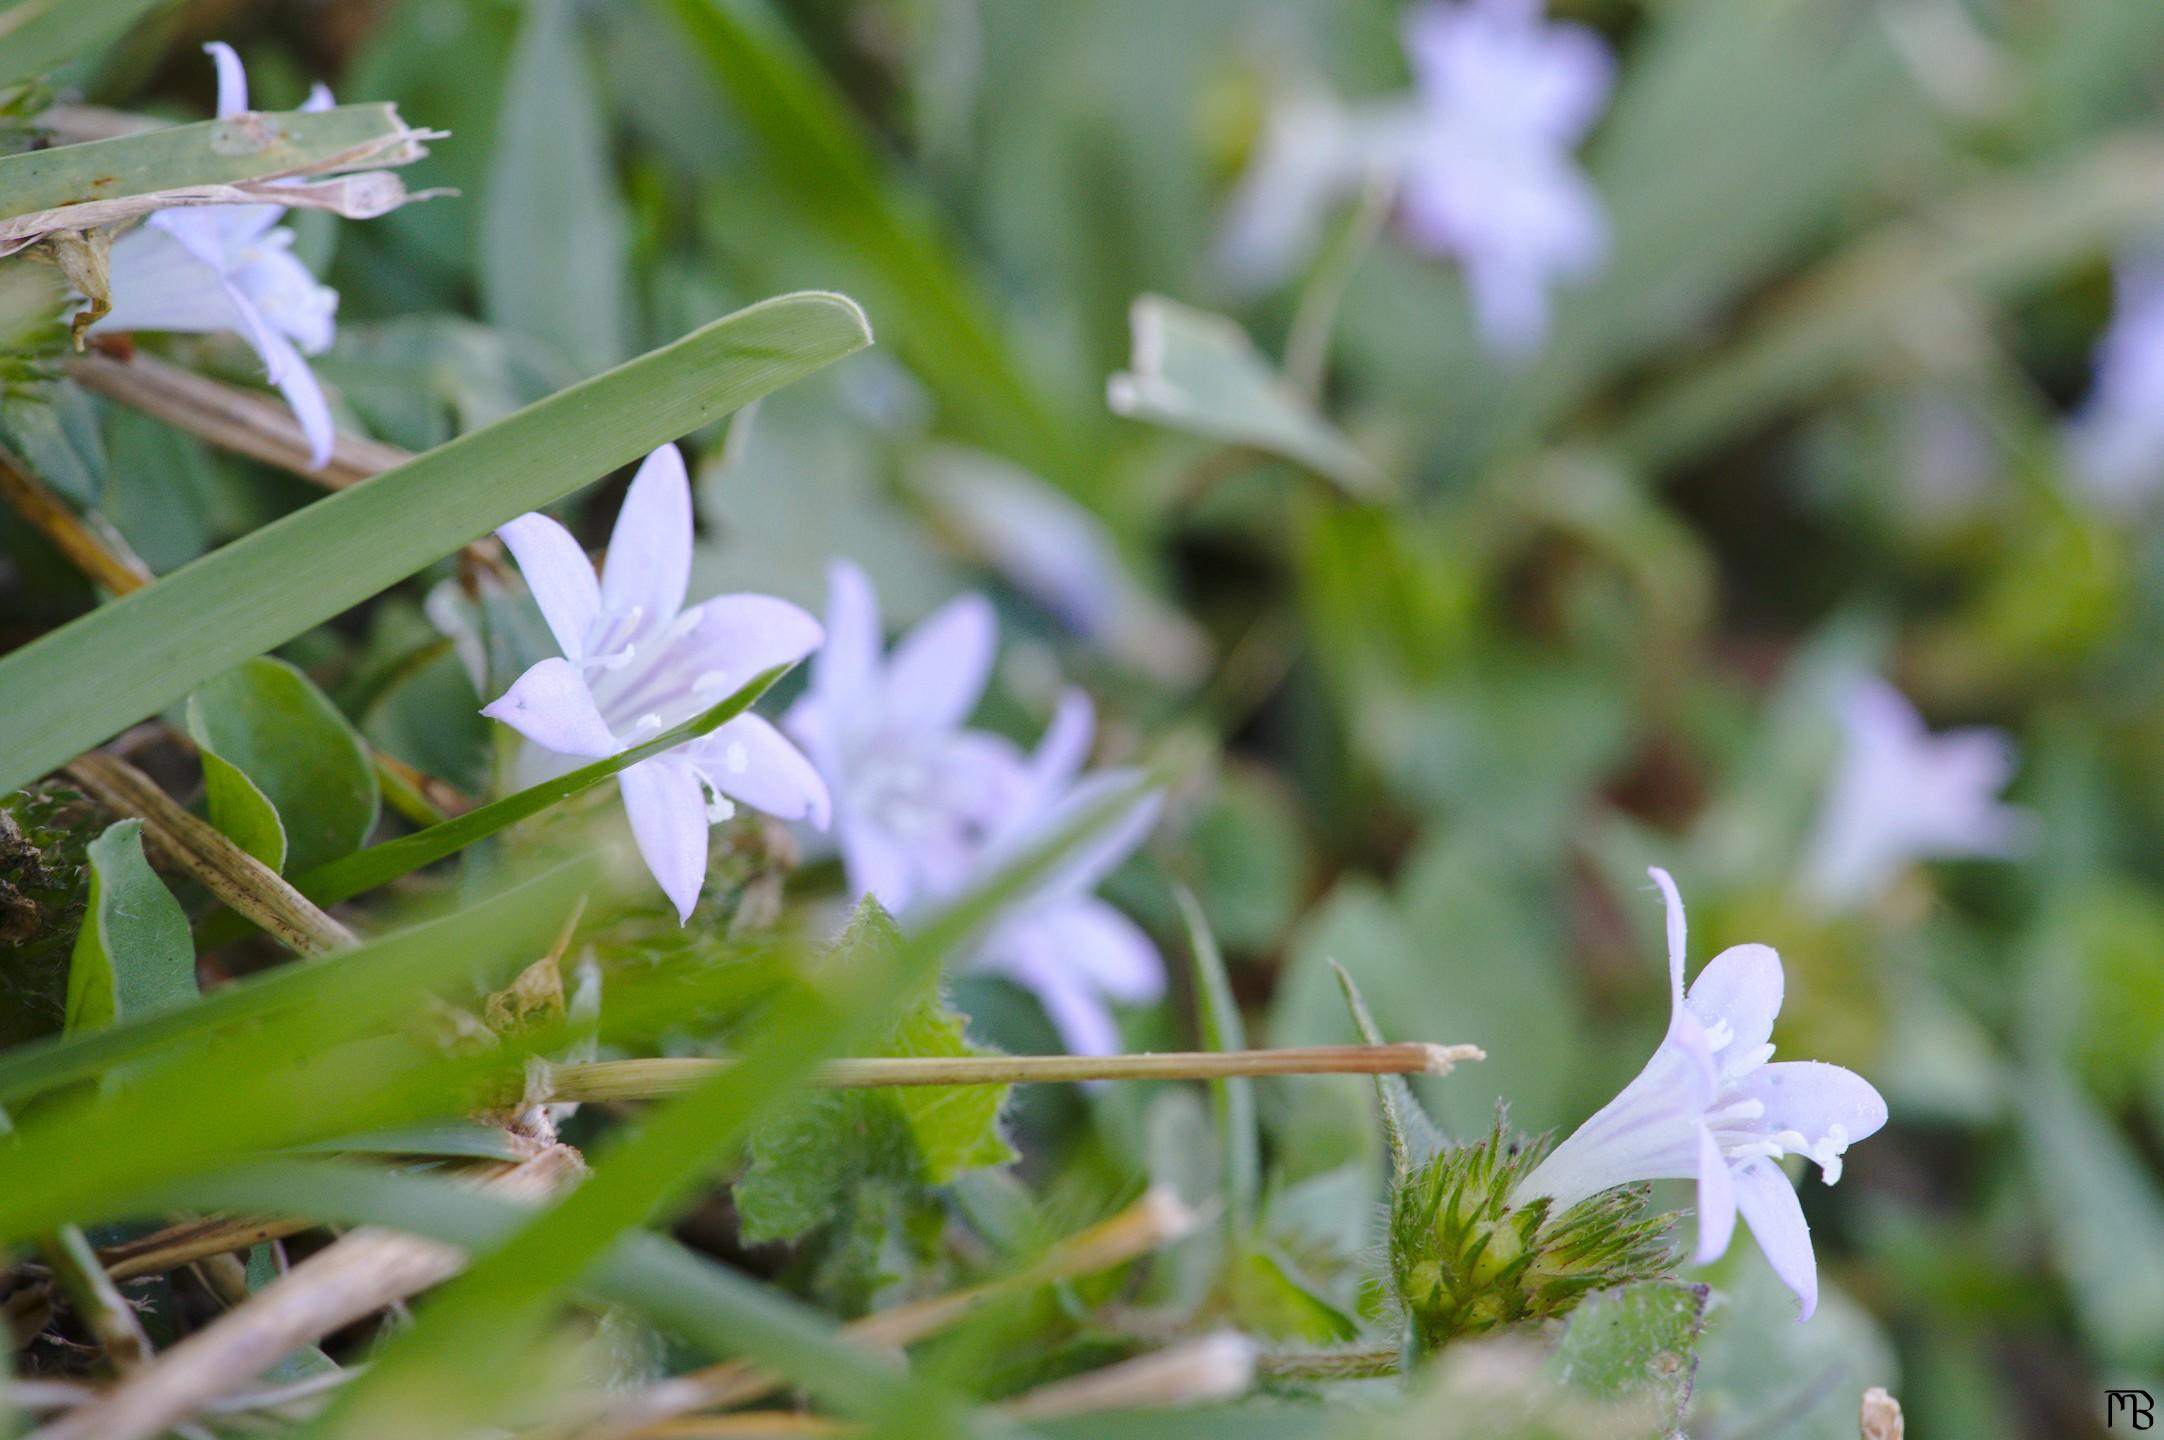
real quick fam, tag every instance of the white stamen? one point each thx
(736, 757)
(710, 681)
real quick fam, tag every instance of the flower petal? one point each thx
(1088, 862)
(876, 863)
(232, 79)
(849, 659)
(1811, 1097)
(738, 636)
(304, 393)
(1770, 1208)
(648, 565)
(938, 672)
(560, 577)
(1716, 1200)
(1650, 1131)
(551, 705)
(160, 281)
(1740, 989)
(667, 806)
(1027, 954)
(749, 760)
(1676, 933)
(1097, 941)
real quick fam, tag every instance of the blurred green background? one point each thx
(1547, 626)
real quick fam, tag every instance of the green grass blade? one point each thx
(125, 661)
(1233, 1101)
(36, 35)
(210, 152)
(343, 879)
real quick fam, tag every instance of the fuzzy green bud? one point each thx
(1464, 1260)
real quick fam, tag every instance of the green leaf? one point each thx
(1196, 371)
(133, 956)
(1761, 1373)
(551, 210)
(77, 686)
(36, 35)
(283, 768)
(210, 152)
(302, 1363)
(1636, 1342)
(816, 1161)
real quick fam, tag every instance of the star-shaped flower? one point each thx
(635, 663)
(1901, 794)
(916, 795)
(1480, 154)
(1489, 176)
(1710, 1107)
(926, 808)
(230, 268)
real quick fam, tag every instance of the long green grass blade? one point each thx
(342, 879)
(211, 152)
(72, 689)
(1232, 1101)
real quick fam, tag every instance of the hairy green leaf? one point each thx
(1638, 1341)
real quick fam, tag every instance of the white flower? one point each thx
(1902, 794)
(926, 809)
(635, 663)
(916, 795)
(230, 268)
(1709, 1107)
(1480, 154)
(1489, 174)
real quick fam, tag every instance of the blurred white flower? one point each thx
(2116, 442)
(1480, 154)
(1489, 175)
(1709, 1107)
(926, 808)
(1076, 953)
(916, 795)
(635, 663)
(230, 268)
(1901, 794)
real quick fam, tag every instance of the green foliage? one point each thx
(1639, 1341)
(286, 776)
(278, 581)
(552, 161)
(133, 956)
(38, 35)
(1465, 1259)
(858, 1165)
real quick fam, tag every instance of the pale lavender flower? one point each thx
(1479, 154)
(916, 795)
(635, 663)
(1901, 794)
(1076, 953)
(2116, 441)
(230, 268)
(926, 808)
(1709, 1107)
(1489, 177)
